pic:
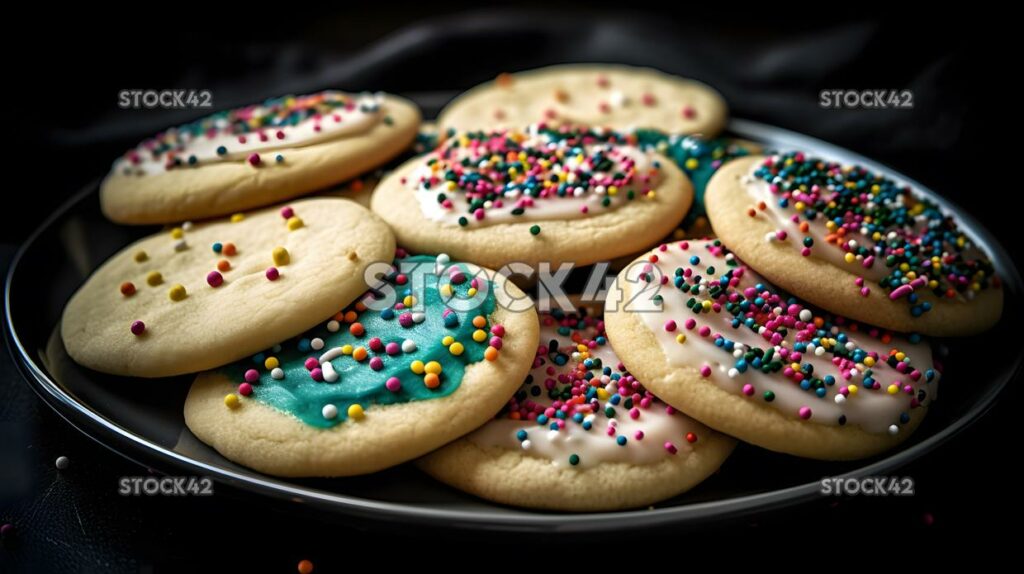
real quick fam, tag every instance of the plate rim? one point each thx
(134, 447)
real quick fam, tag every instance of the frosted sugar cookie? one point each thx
(607, 95)
(856, 243)
(257, 155)
(418, 362)
(199, 296)
(718, 342)
(540, 194)
(581, 434)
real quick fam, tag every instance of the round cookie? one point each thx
(581, 434)
(544, 194)
(608, 95)
(257, 155)
(715, 340)
(382, 382)
(855, 243)
(199, 296)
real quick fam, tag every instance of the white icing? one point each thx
(342, 122)
(593, 446)
(872, 410)
(584, 200)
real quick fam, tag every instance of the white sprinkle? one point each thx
(806, 315)
(317, 344)
(277, 373)
(840, 399)
(63, 462)
(733, 373)
(769, 237)
(819, 351)
(893, 429)
(418, 317)
(333, 326)
(330, 375)
(408, 346)
(330, 411)
(526, 444)
(180, 245)
(332, 353)
(187, 226)
(552, 434)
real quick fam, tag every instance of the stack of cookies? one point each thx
(377, 322)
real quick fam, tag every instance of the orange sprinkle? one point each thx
(305, 567)
(223, 265)
(351, 317)
(359, 353)
(229, 249)
(431, 380)
(491, 354)
(479, 321)
(360, 306)
(127, 288)
(357, 329)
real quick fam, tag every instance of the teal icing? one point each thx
(710, 155)
(300, 395)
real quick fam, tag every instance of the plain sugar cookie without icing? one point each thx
(855, 243)
(198, 296)
(581, 434)
(257, 155)
(606, 95)
(418, 362)
(543, 194)
(716, 341)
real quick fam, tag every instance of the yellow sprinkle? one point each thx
(852, 389)
(451, 185)
(433, 367)
(409, 301)
(281, 256)
(479, 335)
(692, 163)
(356, 412)
(231, 401)
(154, 278)
(849, 257)
(456, 349)
(177, 233)
(900, 356)
(446, 290)
(613, 190)
(271, 363)
(800, 206)
(893, 389)
(869, 361)
(471, 292)
(417, 367)
(177, 293)
(237, 217)
(294, 223)
(447, 340)
(346, 350)
(680, 338)
(602, 394)
(140, 256)
(707, 305)
(904, 267)
(650, 194)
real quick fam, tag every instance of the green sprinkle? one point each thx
(574, 459)
(535, 230)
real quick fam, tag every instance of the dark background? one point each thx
(70, 129)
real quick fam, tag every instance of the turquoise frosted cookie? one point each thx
(256, 155)
(540, 194)
(417, 362)
(718, 342)
(581, 434)
(856, 243)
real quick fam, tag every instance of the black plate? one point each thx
(143, 419)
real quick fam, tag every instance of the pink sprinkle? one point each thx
(647, 99)
(901, 291)
(138, 327)
(781, 235)
(457, 277)
(690, 324)
(287, 212)
(279, 135)
(689, 113)
(805, 412)
(214, 278)
(376, 363)
(634, 413)
(245, 389)
(273, 273)
(865, 291)
(311, 363)
(317, 374)
(496, 342)
(748, 389)
(671, 448)
(254, 159)
(393, 348)
(639, 435)
(393, 384)
(252, 375)
(405, 320)
(376, 345)
(705, 371)
(498, 330)
(670, 325)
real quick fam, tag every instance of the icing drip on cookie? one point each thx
(244, 134)
(579, 406)
(408, 351)
(871, 226)
(721, 318)
(539, 174)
